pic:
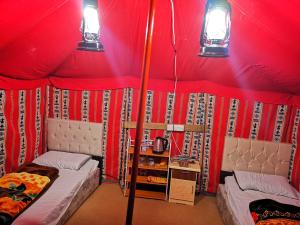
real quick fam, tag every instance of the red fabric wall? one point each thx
(239, 117)
(237, 113)
(226, 111)
(94, 106)
(21, 126)
(295, 140)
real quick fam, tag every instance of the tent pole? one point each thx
(141, 111)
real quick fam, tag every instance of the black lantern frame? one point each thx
(216, 46)
(90, 40)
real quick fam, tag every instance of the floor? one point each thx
(107, 205)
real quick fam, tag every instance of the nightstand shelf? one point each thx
(148, 194)
(149, 152)
(146, 167)
(144, 180)
(153, 173)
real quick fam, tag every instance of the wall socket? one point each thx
(178, 127)
(175, 127)
(170, 127)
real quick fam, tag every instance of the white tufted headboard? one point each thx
(75, 136)
(257, 156)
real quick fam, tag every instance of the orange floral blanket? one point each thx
(19, 190)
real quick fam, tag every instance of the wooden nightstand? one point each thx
(183, 183)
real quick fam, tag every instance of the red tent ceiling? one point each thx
(39, 39)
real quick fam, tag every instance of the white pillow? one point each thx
(62, 160)
(271, 184)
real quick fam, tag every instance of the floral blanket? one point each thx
(20, 189)
(270, 212)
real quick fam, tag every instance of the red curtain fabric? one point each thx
(226, 111)
(224, 116)
(22, 115)
(93, 106)
(294, 174)
(239, 118)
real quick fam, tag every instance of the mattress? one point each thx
(238, 201)
(51, 207)
(224, 208)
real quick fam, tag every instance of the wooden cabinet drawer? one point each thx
(183, 175)
(182, 189)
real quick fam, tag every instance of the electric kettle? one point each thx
(160, 145)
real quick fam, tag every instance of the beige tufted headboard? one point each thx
(257, 156)
(75, 136)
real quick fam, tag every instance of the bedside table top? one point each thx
(195, 167)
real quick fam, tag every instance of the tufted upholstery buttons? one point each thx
(75, 136)
(258, 156)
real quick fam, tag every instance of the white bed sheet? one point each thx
(239, 200)
(51, 206)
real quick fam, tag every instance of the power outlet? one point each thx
(170, 127)
(178, 127)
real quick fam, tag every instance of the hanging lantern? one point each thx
(90, 27)
(215, 33)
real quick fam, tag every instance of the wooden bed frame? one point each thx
(250, 155)
(77, 137)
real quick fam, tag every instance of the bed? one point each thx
(74, 147)
(253, 162)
